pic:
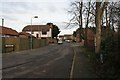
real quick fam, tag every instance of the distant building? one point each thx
(68, 36)
(90, 34)
(78, 38)
(61, 37)
(8, 32)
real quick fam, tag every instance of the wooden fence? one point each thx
(19, 44)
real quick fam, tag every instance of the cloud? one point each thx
(9, 18)
(19, 7)
(34, 0)
(18, 13)
(52, 8)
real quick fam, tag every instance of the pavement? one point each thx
(82, 66)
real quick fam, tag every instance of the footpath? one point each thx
(82, 67)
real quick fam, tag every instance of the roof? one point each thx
(61, 35)
(68, 34)
(37, 28)
(26, 34)
(78, 30)
(8, 31)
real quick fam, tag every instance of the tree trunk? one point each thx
(98, 27)
(98, 31)
(98, 16)
(80, 22)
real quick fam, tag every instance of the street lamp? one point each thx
(31, 30)
(2, 22)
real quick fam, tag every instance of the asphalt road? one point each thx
(53, 61)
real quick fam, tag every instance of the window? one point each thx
(44, 32)
(32, 32)
(37, 35)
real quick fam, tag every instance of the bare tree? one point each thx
(88, 8)
(76, 11)
(115, 14)
(111, 18)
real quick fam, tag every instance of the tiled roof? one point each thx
(8, 31)
(37, 28)
(61, 35)
(26, 34)
(68, 34)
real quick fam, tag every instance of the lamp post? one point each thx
(2, 22)
(31, 31)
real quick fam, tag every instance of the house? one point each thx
(78, 38)
(25, 35)
(90, 37)
(90, 34)
(39, 31)
(68, 37)
(8, 32)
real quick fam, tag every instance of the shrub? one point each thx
(110, 50)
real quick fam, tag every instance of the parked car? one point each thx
(68, 41)
(60, 41)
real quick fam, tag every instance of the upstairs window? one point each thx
(37, 35)
(44, 32)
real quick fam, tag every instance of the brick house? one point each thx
(78, 38)
(39, 31)
(90, 37)
(77, 35)
(8, 32)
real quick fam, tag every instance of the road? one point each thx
(53, 61)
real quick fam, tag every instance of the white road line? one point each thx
(72, 69)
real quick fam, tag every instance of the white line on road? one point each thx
(72, 69)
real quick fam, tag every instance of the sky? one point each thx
(18, 13)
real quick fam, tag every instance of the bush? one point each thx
(111, 56)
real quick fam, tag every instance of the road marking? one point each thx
(16, 65)
(72, 69)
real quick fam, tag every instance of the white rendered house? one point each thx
(39, 31)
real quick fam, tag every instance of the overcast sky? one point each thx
(18, 13)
